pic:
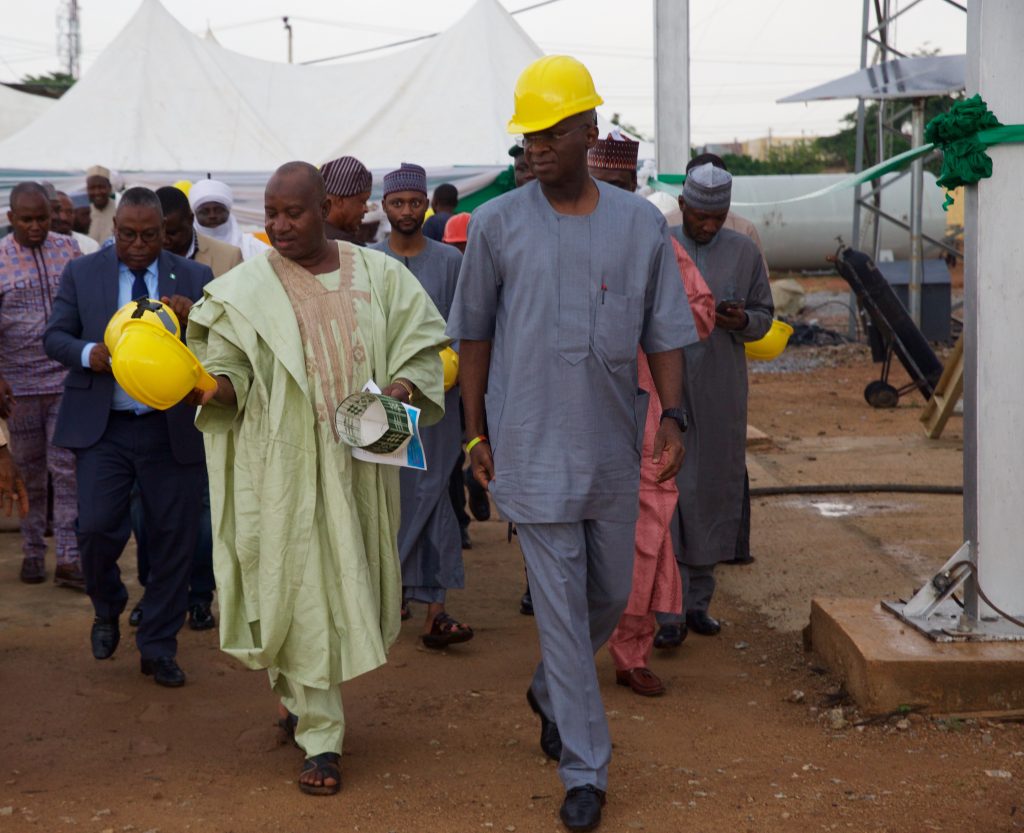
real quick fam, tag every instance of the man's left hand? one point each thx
(181, 307)
(731, 319)
(668, 449)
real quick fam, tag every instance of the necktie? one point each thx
(139, 289)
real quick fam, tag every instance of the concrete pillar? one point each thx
(672, 85)
(994, 301)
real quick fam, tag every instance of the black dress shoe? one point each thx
(581, 809)
(135, 617)
(467, 544)
(33, 571)
(164, 671)
(550, 740)
(698, 621)
(670, 636)
(106, 633)
(740, 561)
(200, 617)
(526, 603)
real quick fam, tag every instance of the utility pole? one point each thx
(288, 29)
(672, 85)
(69, 44)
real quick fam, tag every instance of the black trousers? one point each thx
(201, 582)
(137, 449)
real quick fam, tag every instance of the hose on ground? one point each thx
(856, 488)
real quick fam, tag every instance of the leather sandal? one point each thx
(445, 631)
(325, 765)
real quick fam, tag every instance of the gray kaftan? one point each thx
(429, 542)
(565, 301)
(711, 479)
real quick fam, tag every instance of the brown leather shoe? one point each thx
(33, 570)
(69, 575)
(642, 680)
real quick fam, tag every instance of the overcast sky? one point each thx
(745, 53)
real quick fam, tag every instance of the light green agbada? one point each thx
(304, 535)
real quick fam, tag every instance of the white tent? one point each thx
(18, 109)
(159, 98)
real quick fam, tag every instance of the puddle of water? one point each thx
(830, 508)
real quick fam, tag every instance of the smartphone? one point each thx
(729, 305)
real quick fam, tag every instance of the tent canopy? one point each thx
(159, 98)
(18, 109)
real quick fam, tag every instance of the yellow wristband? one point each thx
(474, 442)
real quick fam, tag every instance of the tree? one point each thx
(53, 84)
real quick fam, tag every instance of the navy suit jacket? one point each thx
(86, 300)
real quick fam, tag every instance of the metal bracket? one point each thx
(932, 611)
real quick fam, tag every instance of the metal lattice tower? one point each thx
(69, 44)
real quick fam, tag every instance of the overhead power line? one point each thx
(407, 41)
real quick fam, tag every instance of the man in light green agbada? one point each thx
(304, 535)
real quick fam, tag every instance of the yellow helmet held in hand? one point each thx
(550, 89)
(770, 345)
(450, 363)
(142, 309)
(155, 367)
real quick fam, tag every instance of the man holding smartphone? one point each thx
(711, 478)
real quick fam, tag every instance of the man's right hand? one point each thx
(6, 398)
(12, 487)
(99, 359)
(482, 463)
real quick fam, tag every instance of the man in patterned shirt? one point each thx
(31, 261)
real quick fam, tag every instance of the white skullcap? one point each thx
(210, 190)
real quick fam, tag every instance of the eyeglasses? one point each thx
(127, 235)
(416, 203)
(547, 137)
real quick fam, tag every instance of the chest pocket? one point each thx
(617, 326)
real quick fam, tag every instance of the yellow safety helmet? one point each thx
(771, 344)
(184, 186)
(143, 309)
(450, 363)
(155, 367)
(550, 89)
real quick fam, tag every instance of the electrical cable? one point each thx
(855, 488)
(973, 570)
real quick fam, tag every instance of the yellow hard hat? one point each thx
(184, 186)
(143, 309)
(450, 363)
(155, 367)
(550, 89)
(771, 344)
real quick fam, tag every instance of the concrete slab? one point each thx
(757, 439)
(886, 664)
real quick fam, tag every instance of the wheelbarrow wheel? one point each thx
(879, 394)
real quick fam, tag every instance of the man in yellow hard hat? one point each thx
(562, 280)
(118, 441)
(711, 482)
(311, 590)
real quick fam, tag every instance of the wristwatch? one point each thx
(677, 414)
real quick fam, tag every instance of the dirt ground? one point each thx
(753, 735)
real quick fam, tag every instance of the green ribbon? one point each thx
(963, 134)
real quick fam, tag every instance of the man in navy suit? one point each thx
(118, 441)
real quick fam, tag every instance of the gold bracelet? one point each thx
(407, 386)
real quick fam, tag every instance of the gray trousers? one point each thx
(580, 576)
(698, 588)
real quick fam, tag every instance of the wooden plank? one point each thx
(947, 393)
